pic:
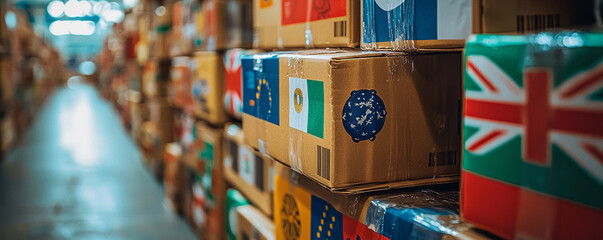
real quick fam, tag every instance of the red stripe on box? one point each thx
(296, 11)
(511, 212)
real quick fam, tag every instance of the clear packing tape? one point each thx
(400, 24)
(421, 214)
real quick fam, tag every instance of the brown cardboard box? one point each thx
(293, 24)
(408, 135)
(253, 224)
(226, 24)
(179, 85)
(492, 16)
(207, 89)
(205, 176)
(161, 115)
(7, 86)
(446, 24)
(247, 170)
(174, 176)
(155, 78)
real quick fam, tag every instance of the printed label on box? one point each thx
(261, 88)
(304, 216)
(306, 106)
(296, 11)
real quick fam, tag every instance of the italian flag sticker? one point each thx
(306, 106)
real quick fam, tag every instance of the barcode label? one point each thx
(340, 29)
(538, 22)
(442, 158)
(323, 161)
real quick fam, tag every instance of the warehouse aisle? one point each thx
(78, 175)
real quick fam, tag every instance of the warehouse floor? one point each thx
(77, 175)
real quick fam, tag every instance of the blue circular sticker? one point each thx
(363, 115)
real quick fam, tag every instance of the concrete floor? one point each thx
(78, 175)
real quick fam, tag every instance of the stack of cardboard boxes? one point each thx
(360, 135)
(30, 70)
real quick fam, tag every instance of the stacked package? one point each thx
(30, 70)
(533, 135)
(337, 142)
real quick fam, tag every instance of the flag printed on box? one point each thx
(232, 95)
(261, 86)
(300, 11)
(306, 106)
(534, 135)
(396, 20)
(300, 215)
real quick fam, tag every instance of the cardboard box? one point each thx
(367, 119)
(252, 224)
(207, 88)
(149, 142)
(174, 180)
(155, 78)
(492, 16)
(232, 75)
(304, 209)
(248, 170)
(293, 24)
(204, 152)
(227, 24)
(179, 93)
(408, 25)
(7, 85)
(206, 207)
(161, 115)
(532, 164)
(137, 112)
(208, 192)
(234, 200)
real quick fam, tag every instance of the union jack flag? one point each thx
(539, 112)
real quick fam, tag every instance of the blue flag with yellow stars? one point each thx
(326, 222)
(260, 82)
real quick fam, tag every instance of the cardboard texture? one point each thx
(207, 88)
(208, 190)
(294, 23)
(439, 24)
(226, 24)
(351, 119)
(7, 84)
(180, 82)
(253, 224)
(306, 210)
(162, 25)
(492, 16)
(155, 77)
(234, 200)
(532, 164)
(161, 115)
(247, 170)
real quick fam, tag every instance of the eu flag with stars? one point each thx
(326, 222)
(260, 82)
